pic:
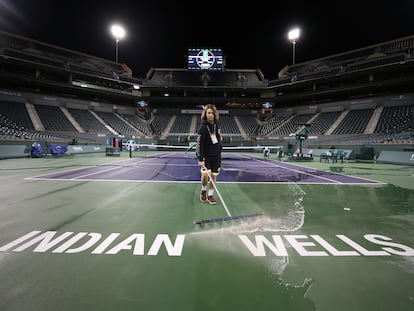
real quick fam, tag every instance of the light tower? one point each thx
(293, 38)
(119, 33)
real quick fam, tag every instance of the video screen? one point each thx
(142, 104)
(267, 105)
(210, 59)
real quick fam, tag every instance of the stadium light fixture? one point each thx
(293, 38)
(119, 33)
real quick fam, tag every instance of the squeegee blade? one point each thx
(229, 218)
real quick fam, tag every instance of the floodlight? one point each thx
(119, 33)
(293, 36)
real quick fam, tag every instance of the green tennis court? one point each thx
(128, 242)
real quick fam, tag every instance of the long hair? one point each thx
(204, 113)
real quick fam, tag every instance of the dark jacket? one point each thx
(205, 147)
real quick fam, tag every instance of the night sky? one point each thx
(251, 35)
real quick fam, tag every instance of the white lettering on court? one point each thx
(277, 247)
(135, 242)
(258, 245)
(379, 239)
(300, 246)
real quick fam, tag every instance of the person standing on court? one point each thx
(208, 152)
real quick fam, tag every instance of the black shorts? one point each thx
(213, 164)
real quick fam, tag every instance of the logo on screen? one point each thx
(205, 59)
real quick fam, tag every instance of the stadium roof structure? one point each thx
(375, 70)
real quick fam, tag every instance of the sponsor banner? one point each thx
(397, 157)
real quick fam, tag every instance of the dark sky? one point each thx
(252, 34)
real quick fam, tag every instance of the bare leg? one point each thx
(204, 179)
(213, 181)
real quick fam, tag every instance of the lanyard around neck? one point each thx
(214, 128)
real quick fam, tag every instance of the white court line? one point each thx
(146, 160)
(219, 195)
(291, 169)
(40, 177)
(107, 170)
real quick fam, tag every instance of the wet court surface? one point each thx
(235, 168)
(91, 232)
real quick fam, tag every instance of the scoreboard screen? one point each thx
(210, 59)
